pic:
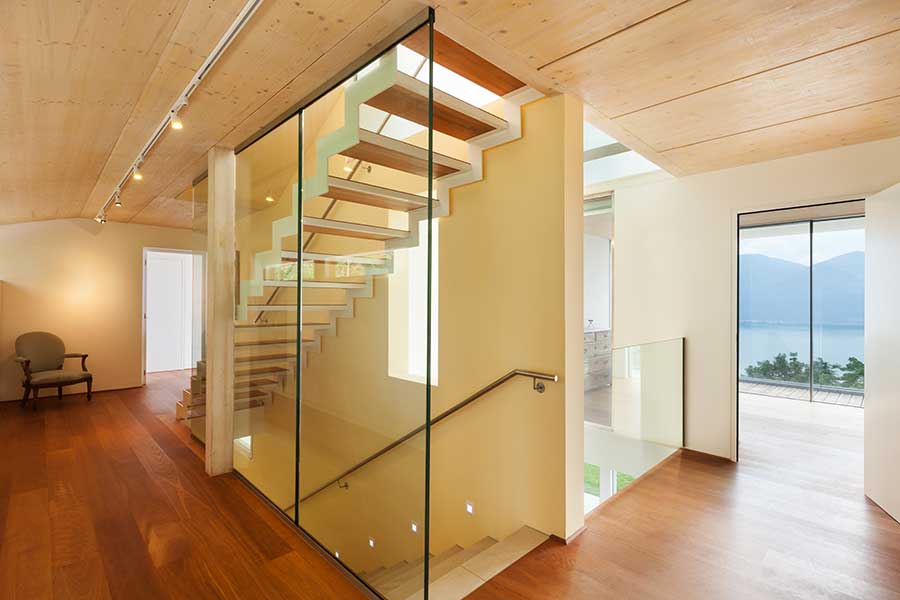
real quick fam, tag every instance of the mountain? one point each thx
(777, 291)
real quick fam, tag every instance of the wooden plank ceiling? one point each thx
(694, 85)
(699, 85)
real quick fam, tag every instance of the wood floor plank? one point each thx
(789, 521)
(109, 500)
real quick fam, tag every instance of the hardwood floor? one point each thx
(109, 499)
(789, 521)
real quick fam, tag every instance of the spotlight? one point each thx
(136, 174)
(176, 123)
(270, 199)
(118, 202)
(348, 166)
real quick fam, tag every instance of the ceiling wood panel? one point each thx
(704, 43)
(72, 73)
(542, 31)
(827, 82)
(257, 80)
(855, 125)
(201, 26)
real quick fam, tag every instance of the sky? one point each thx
(791, 242)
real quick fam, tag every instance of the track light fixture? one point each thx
(118, 202)
(136, 171)
(171, 118)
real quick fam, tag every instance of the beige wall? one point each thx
(675, 262)
(882, 418)
(84, 282)
(509, 259)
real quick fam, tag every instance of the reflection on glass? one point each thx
(774, 307)
(363, 269)
(192, 408)
(265, 356)
(647, 418)
(838, 309)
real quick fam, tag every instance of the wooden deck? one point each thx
(795, 393)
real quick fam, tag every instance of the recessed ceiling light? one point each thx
(270, 199)
(470, 507)
(414, 526)
(371, 543)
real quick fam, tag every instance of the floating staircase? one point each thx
(396, 93)
(455, 572)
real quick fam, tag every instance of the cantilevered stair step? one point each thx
(358, 192)
(293, 307)
(462, 61)
(291, 256)
(282, 356)
(264, 343)
(315, 283)
(408, 98)
(253, 371)
(381, 150)
(254, 384)
(354, 230)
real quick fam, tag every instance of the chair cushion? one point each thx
(58, 376)
(44, 350)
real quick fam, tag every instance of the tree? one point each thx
(784, 367)
(853, 375)
(824, 372)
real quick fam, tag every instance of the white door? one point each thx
(168, 311)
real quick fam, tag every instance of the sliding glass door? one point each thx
(774, 310)
(800, 310)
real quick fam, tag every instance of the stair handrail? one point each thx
(537, 385)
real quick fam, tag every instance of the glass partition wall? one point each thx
(800, 311)
(333, 324)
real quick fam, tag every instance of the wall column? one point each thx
(220, 318)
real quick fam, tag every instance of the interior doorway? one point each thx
(168, 310)
(800, 331)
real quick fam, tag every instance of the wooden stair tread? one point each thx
(354, 230)
(260, 371)
(255, 325)
(323, 257)
(264, 357)
(315, 283)
(408, 98)
(381, 150)
(264, 343)
(463, 61)
(252, 383)
(358, 192)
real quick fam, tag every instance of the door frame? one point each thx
(146, 251)
(777, 204)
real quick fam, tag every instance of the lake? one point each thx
(834, 343)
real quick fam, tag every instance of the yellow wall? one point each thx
(82, 281)
(504, 282)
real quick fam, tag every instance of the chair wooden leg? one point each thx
(59, 392)
(25, 396)
(34, 398)
(90, 382)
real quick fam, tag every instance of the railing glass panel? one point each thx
(646, 404)
(265, 335)
(363, 264)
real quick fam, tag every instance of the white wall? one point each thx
(675, 262)
(882, 414)
(83, 282)
(597, 296)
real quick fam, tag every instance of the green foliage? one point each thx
(787, 367)
(591, 479)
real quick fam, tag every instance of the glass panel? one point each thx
(647, 420)
(363, 251)
(191, 410)
(265, 356)
(838, 309)
(774, 310)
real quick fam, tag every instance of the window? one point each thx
(407, 320)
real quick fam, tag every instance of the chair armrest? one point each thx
(83, 358)
(26, 366)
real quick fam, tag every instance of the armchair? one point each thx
(42, 356)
